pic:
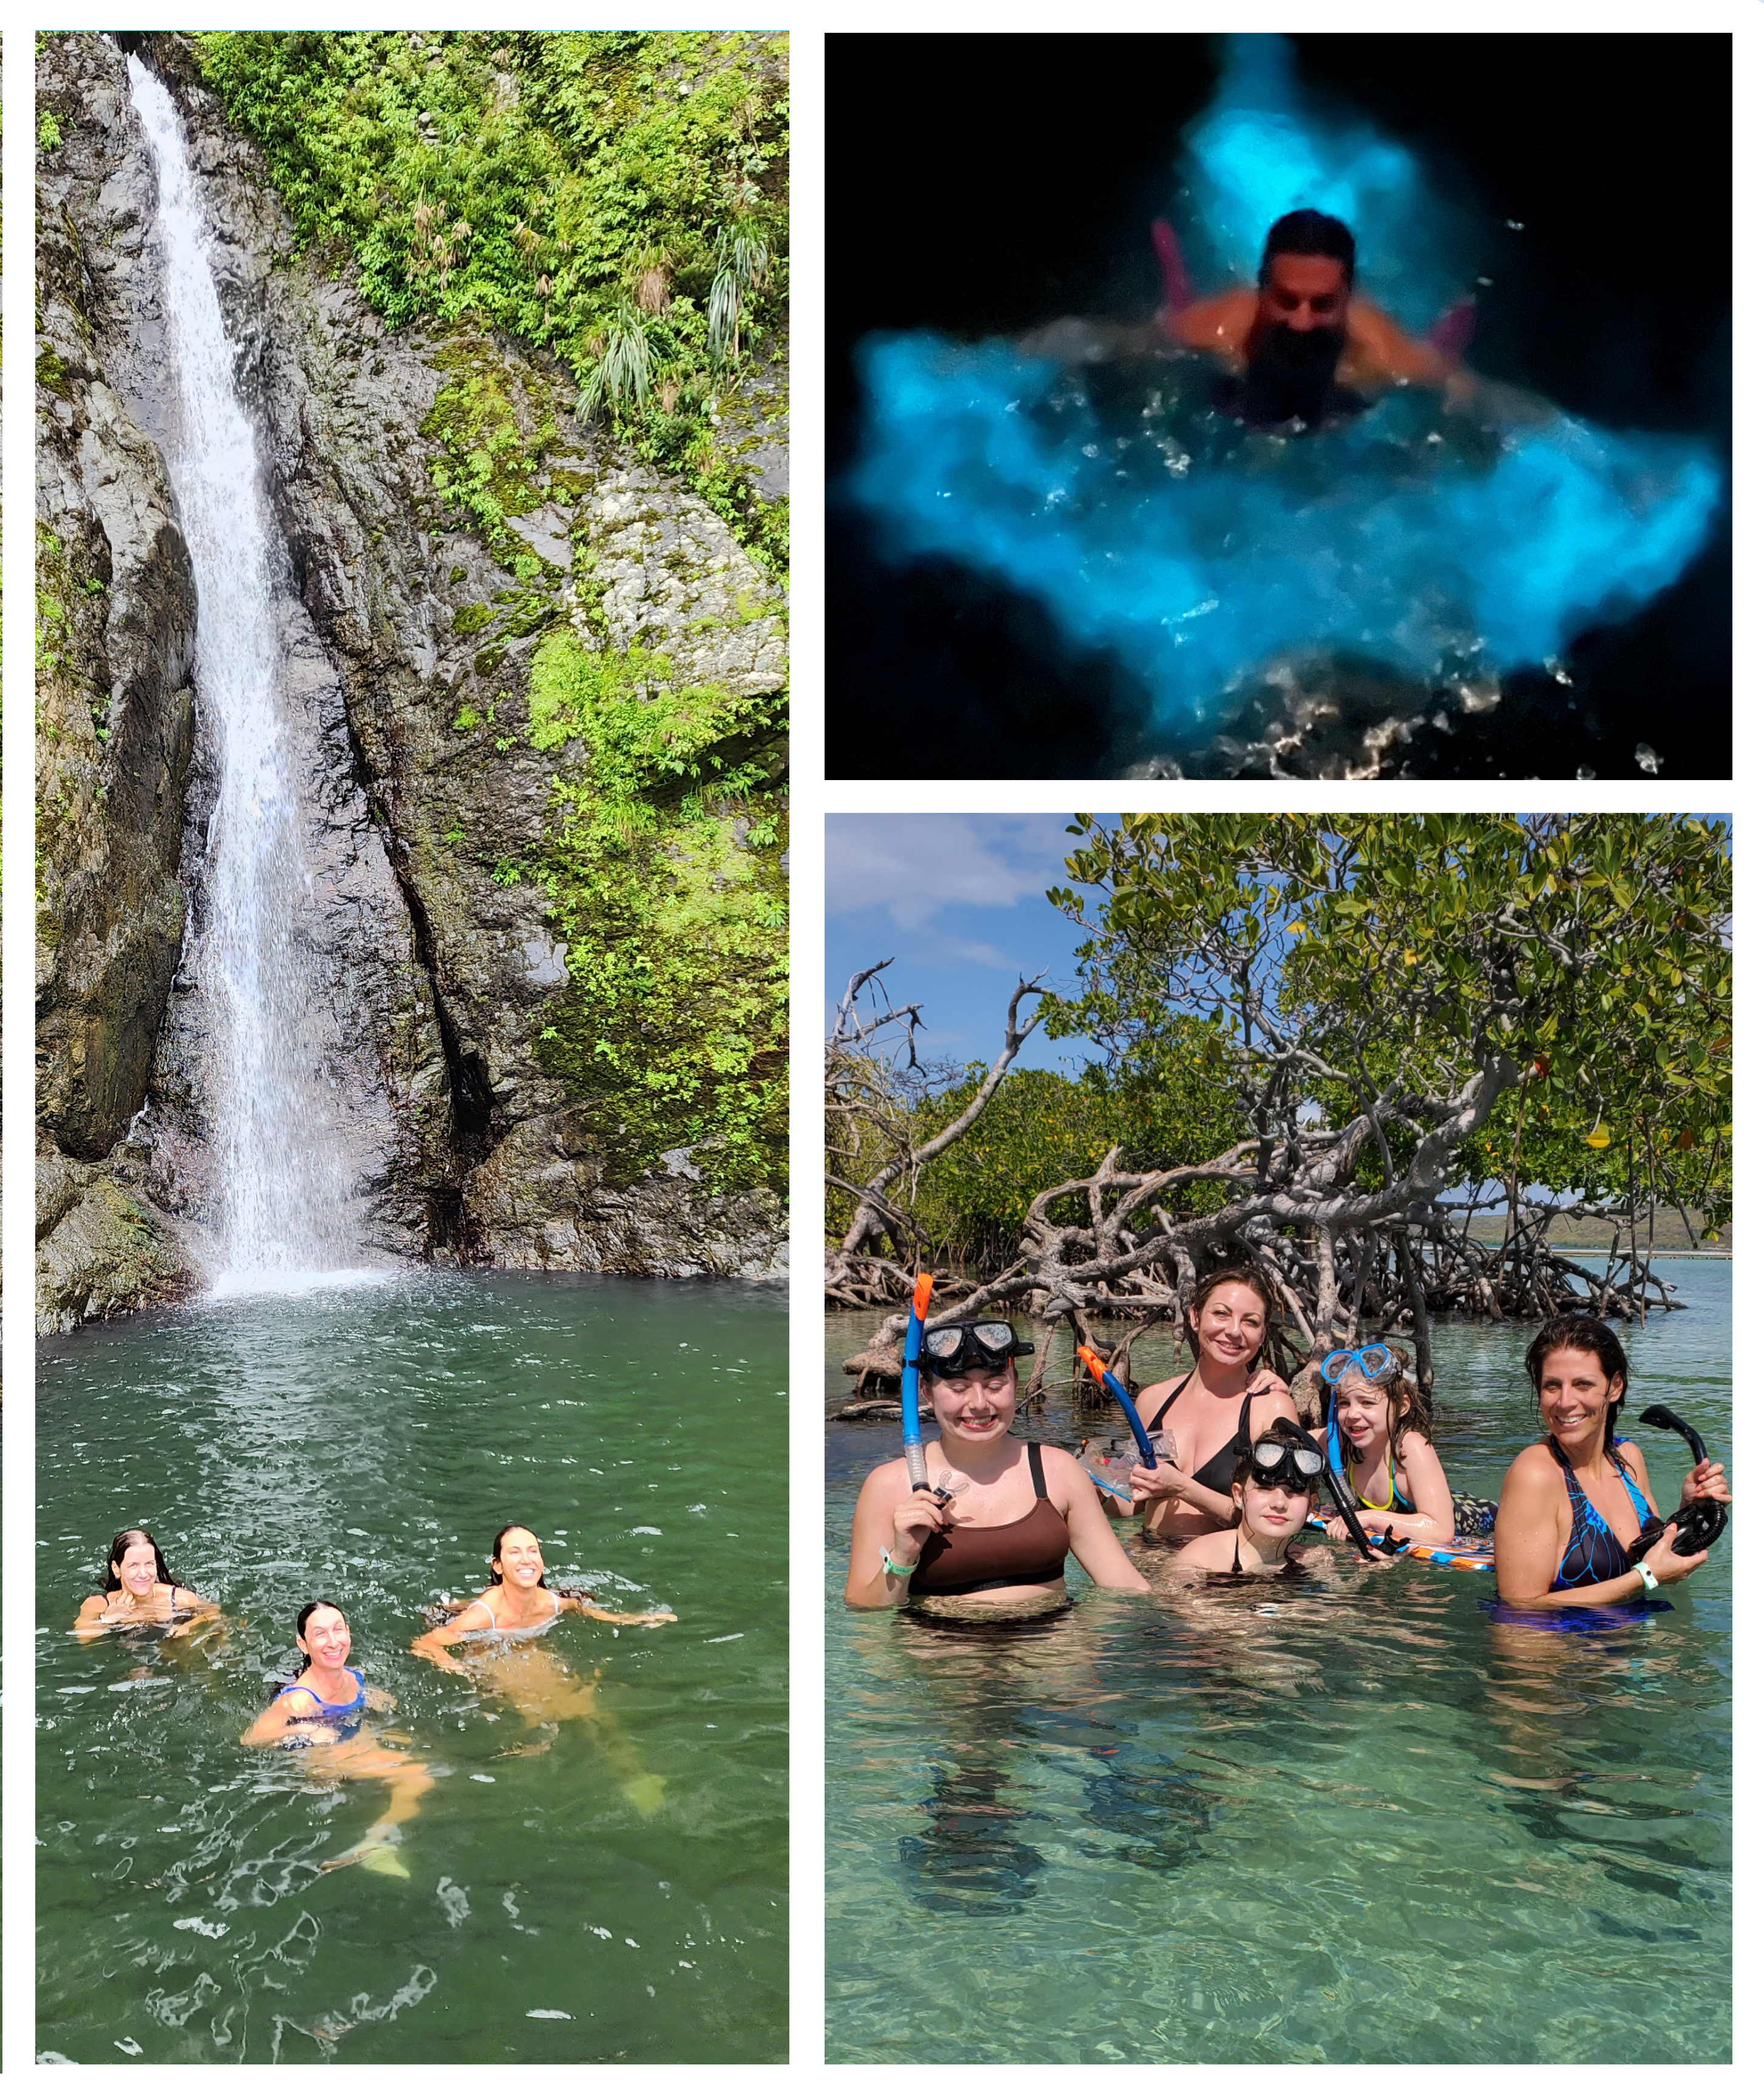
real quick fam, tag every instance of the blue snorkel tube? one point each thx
(912, 1440)
(1142, 1438)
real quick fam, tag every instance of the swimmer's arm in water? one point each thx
(891, 1514)
(1531, 1536)
(1091, 1536)
(87, 1623)
(381, 1701)
(1214, 326)
(433, 1645)
(286, 1712)
(595, 1613)
(201, 1611)
(1380, 352)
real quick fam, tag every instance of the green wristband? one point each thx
(897, 1569)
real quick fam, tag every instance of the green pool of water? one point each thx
(1292, 1825)
(365, 1446)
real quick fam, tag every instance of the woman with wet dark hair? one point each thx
(321, 1712)
(518, 1602)
(1573, 1506)
(1209, 1417)
(140, 1590)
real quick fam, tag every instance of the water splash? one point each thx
(1449, 546)
(283, 1221)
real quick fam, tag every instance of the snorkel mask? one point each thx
(956, 1348)
(1284, 1461)
(1377, 1362)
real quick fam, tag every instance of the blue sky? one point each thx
(957, 901)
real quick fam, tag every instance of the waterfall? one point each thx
(283, 1207)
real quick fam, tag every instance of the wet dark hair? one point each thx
(1581, 1334)
(1289, 1434)
(120, 1547)
(1308, 233)
(513, 1526)
(1232, 1275)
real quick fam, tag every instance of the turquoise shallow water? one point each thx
(366, 1446)
(1300, 1825)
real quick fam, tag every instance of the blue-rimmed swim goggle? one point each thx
(1376, 1361)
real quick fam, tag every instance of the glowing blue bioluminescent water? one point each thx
(1443, 544)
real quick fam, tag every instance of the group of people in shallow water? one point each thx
(320, 1710)
(1238, 1477)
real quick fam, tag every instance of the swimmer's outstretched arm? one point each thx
(433, 1645)
(283, 1714)
(571, 1603)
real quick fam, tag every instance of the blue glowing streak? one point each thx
(1381, 538)
(1198, 554)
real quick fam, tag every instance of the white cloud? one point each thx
(915, 865)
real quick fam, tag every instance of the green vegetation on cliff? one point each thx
(617, 197)
(666, 869)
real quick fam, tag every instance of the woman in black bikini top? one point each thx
(998, 1525)
(1228, 1324)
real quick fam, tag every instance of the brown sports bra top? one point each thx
(1030, 1550)
(1217, 1473)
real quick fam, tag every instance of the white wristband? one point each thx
(1650, 1582)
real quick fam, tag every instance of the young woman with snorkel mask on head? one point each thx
(1378, 1438)
(1274, 1484)
(1209, 1416)
(996, 1528)
(1575, 1506)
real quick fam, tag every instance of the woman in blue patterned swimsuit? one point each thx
(1572, 1505)
(321, 1713)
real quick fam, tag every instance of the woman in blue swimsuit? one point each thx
(1571, 1506)
(321, 1714)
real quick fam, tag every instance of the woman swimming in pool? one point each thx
(1211, 1415)
(1379, 1440)
(516, 1601)
(140, 1590)
(321, 1713)
(1572, 1505)
(1274, 1487)
(1007, 1512)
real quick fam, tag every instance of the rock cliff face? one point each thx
(408, 636)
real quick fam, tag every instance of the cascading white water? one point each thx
(283, 1218)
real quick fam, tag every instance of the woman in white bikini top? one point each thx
(516, 1602)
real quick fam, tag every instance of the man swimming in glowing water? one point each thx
(1301, 346)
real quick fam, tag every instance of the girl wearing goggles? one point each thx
(1210, 1416)
(1379, 1438)
(1274, 1488)
(1005, 1513)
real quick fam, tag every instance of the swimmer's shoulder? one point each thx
(1148, 1399)
(484, 1604)
(93, 1607)
(1218, 325)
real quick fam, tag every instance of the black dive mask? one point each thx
(956, 1348)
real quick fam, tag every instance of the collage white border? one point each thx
(1745, 19)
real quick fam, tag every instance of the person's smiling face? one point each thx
(1362, 1408)
(1574, 1393)
(139, 1569)
(975, 1406)
(327, 1639)
(1232, 1324)
(520, 1559)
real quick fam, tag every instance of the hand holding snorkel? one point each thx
(1144, 1477)
(914, 1439)
(1702, 1517)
